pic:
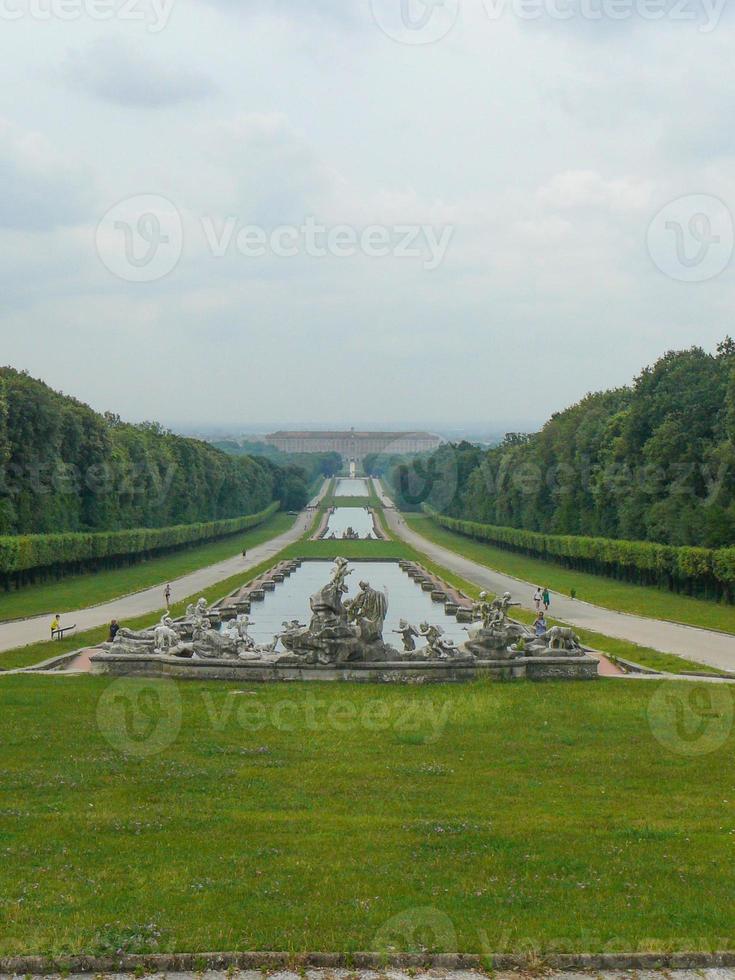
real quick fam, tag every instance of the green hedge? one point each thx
(706, 571)
(23, 555)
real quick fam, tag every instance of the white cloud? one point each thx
(589, 189)
(118, 72)
(42, 189)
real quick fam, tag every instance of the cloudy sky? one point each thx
(361, 211)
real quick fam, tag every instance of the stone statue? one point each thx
(340, 573)
(165, 637)
(197, 614)
(201, 610)
(134, 636)
(408, 634)
(500, 606)
(368, 611)
(288, 628)
(438, 648)
(484, 610)
(209, 644)
(563, 638)
(496, 638)
(341, 633)
(242, 624)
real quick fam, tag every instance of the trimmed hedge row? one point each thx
(23, 554)
(706, 571)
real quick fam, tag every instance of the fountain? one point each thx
(343, 641)
(348, 524)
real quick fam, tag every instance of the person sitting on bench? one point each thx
(55, 625)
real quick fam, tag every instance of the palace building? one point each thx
(352, 444)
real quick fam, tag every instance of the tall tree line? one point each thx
(654, 461)
(64, 467)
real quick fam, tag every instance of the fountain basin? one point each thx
(399, 672)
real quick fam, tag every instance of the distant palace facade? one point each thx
(353, 445)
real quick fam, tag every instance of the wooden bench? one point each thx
(59, 633)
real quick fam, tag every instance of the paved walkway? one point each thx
(414, 974)
(703, 646)
(25, 631)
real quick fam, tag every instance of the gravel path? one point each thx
(25, 631)
(395, 974)
(703, 646)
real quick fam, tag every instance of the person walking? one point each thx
(547, 598)
(538, 599)
(114, 627)
(167, 594)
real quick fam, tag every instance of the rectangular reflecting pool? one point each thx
(352, 488)
(358, 518)
(406, 600)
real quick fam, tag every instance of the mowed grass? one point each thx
(601, 591)
(486, 817)
(80, 591)
(351, 501)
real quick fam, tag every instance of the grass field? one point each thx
(638, 599)
(80, 591)
(487, 817)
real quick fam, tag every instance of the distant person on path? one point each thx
(538, 599)
(55, 625)
(539, 627)
(167, 594)
(244, 552)
(547, 599)
(114, 627)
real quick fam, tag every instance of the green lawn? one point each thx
(638, 599)
(80, 591)
(485, 817)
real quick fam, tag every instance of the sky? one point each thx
(382, 212)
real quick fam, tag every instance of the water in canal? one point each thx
(406, 600)
(352, 488)
(358, 518)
